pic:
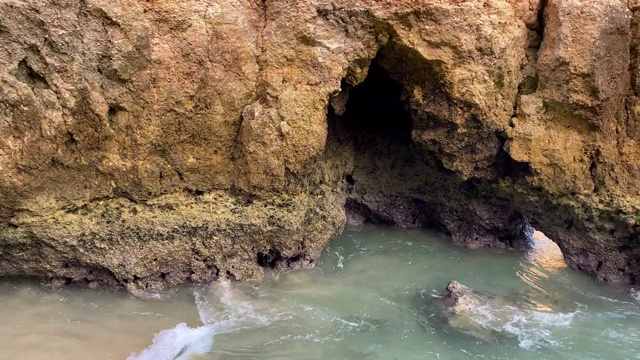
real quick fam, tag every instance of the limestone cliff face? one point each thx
(145, 144)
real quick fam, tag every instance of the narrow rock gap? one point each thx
(111, 114)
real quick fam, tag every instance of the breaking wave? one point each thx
(222, 309)
(538, 328)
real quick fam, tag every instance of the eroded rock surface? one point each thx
(494, 318)
(481, 315)
(145, 144)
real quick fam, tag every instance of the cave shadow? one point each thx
(397, 182)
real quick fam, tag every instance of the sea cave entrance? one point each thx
(389, 175)
(396, 180)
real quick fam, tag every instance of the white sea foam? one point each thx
(222, 309)
(536, 329)
(340, 263)
(234, 306)
(178, 343)
(635, 294)
(532, 329)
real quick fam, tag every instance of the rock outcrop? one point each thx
(481, 315)
(493, 318)
(146, 144)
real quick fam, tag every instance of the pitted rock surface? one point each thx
(147, 144)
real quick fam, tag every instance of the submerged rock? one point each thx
(481, 315)
(460, 300)
(494, 318)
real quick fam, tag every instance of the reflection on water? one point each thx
(544, 255)
(370, 297)
(542, 263)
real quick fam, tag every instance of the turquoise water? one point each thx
(372, 296)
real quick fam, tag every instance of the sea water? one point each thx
(372, 295)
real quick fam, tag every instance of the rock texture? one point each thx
(482, 315)
(146, 144)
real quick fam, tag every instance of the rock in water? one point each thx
(478, 314)
(459, 299)
(494, 318)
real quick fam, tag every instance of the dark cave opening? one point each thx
(397, 178)
(375, 107)
(377, 124)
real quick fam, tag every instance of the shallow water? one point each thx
(370, 297)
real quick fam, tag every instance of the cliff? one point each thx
(150, 143)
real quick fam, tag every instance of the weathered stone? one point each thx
(481, 315)
(147, 144)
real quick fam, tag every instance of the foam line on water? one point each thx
(178, 343)
(228, 303)
(536, 329)
(222, 308)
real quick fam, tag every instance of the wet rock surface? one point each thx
(491, 318)
(150, 144)
(474, 313)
